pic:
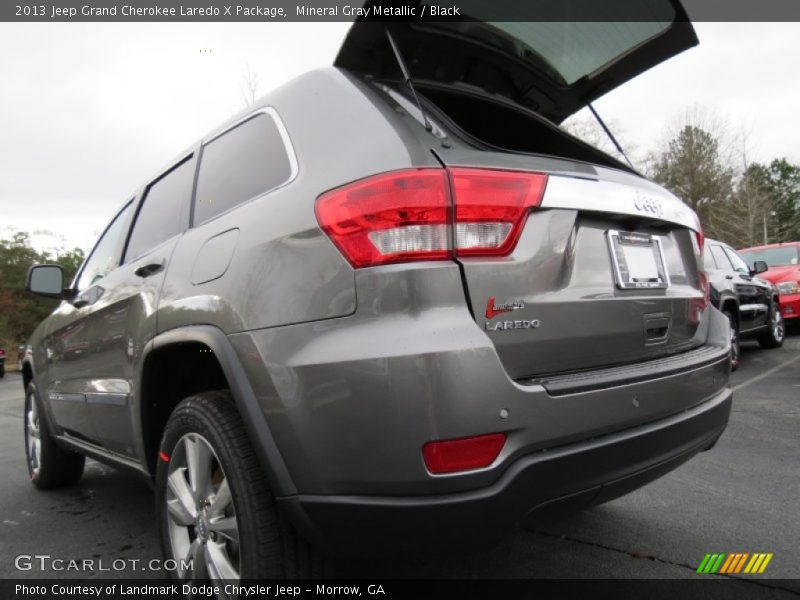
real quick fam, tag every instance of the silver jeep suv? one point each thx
(392, 306)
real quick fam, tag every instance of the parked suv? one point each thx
(364, 318)
(749, 302)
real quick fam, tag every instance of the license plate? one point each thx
(638, 260)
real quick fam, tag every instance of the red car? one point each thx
(784, 271)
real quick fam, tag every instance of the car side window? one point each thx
(738, 263)
(719, 256)
(164, 211)
(240, 164)
(708, 260)
(107, 252)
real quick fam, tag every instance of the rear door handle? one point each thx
(150, 268)
(728, 276)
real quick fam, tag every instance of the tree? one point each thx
(691, 167)
(780, 182)
(250, 86)
(739, 219)
(21, 312)
(587, 129)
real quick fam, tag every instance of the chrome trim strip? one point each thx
(612, 197)
(65, 397)
(755, 307)
(107, 399)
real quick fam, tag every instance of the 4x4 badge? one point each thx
(493, 309)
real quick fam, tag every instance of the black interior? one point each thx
(510, 127)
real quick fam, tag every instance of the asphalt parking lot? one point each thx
(742, 496)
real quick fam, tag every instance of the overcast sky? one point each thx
(89, 111)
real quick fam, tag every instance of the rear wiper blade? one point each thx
(407, 79)
(610, 136)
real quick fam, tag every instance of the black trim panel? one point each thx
(598, 379)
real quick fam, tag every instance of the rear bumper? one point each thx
(572, 476)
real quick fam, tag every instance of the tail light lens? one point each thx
(407, 215)
(491, 208)
(393, 217)
(697, 306)
(465, 454)
(701, 241)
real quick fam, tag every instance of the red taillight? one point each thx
(463, 454)
(697, 306)
(701, 240)
(387, 218)
(491, 208)
(406, 215)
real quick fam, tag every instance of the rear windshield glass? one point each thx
(774, 257)
(574, 50)
(567, 50)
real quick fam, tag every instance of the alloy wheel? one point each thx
(735, 348)
(778, 328)
(201, 518)
(33, 436)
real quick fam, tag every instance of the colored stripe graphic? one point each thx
(727, 564)
(732, 560)
(741, 562)
(718, 564)
(757, 558)
(759, 562)
(766, 562)
(711, 563)
(703, 563)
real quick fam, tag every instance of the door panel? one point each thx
(753, 304)
(123, 316)
(70, 355)
(123, 320)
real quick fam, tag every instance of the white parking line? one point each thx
(766, 373)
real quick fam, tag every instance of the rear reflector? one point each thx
(464, 454)
(408, 215)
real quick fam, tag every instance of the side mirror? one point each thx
(759, 266)
(46, 280)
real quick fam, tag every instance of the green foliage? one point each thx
(21, 312)
(748, 206)
(780, 182)
(692, 168)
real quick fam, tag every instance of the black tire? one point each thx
(268, 547)
(2, 371)
(54, 466)
(775, 333)
(736, 347)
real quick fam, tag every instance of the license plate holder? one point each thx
(638, 260)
